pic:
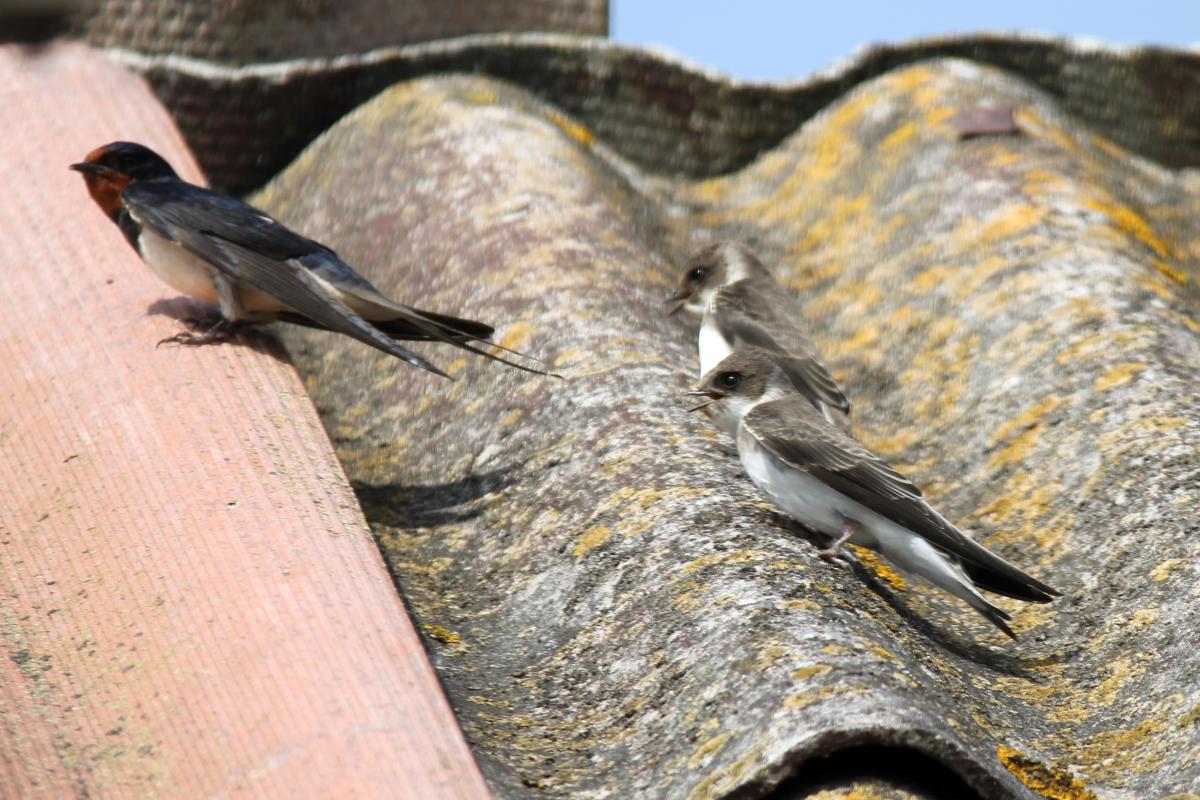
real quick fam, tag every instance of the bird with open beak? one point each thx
(740, 305)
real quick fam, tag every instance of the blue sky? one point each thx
(773, 39)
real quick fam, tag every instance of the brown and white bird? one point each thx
(826, 480)
(741, 305)
(221, 251)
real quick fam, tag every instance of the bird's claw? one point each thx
(217, 333)
(833, 555)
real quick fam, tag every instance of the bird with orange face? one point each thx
(222, 251)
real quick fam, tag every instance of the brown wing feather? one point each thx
(795, 432)
(752, 316)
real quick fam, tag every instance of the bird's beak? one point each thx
(87, 167)
(674, 302)
(709, 393)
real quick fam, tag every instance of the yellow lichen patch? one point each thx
(1069, 713)
(801, 700)
(1005, 158)
(569, 355)
(1117, 376)
(940, 115)
(1030, 418)
(769, 655)
(1114, 755)
(591, 540)
(1190, 718)
(881, 652)
(861, 342)
(688, 596)
(1108, 148)
(1141, 619)
(1189, 323)
(815, 275)
(871, 561)
(1169, 271)
(735, 557)
(456, 366)
(1166, 568)
(898, 137)
(1013, 221)
(826, 157)
(708, 749)
(1052, 784)
(804, 673)
(803, 604)
(1025, 497)
(1130, 223)
(1029, 616)
(570, 128)
(719, 783)
(833, 650)
(482, 97)
(1103, 344)
(933, 277)
(518, 336)
(1028, 690)
(910, 80)
(1030, 424)
(893, 445)
(1033, 125)
(431, 569)
(1122, 670)
(480, 700)
(1039, 184)
(444, 636)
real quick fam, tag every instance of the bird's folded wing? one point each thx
(205, 229)
(792, 430)
(393, 318)
(753, 319)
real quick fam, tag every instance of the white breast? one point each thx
(178, 268)
(802, 496)
(822, 509)
(713, 347)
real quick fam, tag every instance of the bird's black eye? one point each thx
(697, 274)
(729, 380)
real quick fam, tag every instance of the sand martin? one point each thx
(831, 484)
(741, 305)
(222, 251)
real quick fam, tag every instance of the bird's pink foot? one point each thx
(833, 553)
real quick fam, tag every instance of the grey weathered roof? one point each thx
(613, 609)
(246, 121)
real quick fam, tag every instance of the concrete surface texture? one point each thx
(616, 611)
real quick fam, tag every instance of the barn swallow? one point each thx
(826, 480)
(741, 305)
(224, 252)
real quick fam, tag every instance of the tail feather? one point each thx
(454, 326)
(919, 557)
(404, 330)
(458, 332)
(1006, 586)
(997, 617)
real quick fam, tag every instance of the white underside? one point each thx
(195, 277)
(825, 510)
(178, 268)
